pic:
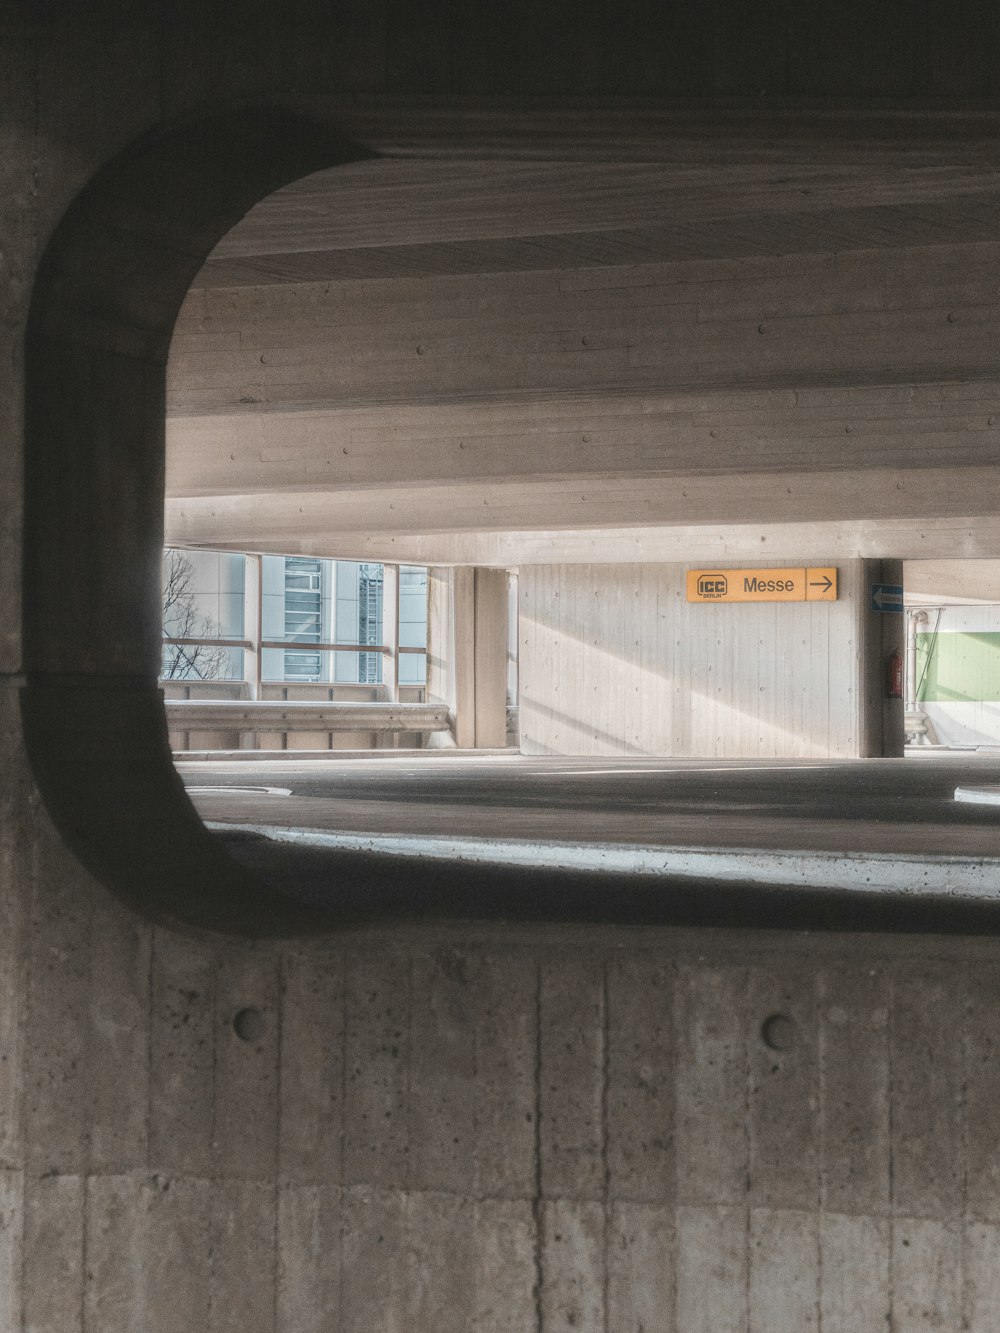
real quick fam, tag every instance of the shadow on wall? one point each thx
(105, 301)
(613, 660)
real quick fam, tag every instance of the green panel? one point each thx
(958, 667)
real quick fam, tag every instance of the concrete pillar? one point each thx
(467, 652)
(390, 631)
(883, 633)
(490, 669)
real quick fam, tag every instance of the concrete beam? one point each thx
(536, 437)
(310, 521)
(833, 313)
(976, 538)
(945, 581)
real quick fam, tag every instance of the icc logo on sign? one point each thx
(713, 585)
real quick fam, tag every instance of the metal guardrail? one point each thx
(281, 715)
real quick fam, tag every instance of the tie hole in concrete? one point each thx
(248, 1024)
(779, 1033)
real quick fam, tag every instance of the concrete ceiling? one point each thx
(496, 360)
(952, 582)
(389, 219)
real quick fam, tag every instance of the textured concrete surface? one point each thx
(500, 1130)
(575, 1131)
(444, 1131)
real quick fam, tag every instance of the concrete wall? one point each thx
(614, 660)
(488, 1134)
(576, 1132)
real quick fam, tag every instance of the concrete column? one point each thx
(449, 680)
(467, 652)
(390, 631)
(883, 633)
(390, 638)
(253, 610)
(490, 668)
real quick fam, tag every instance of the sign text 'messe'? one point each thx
(752, 583)
(762, 585)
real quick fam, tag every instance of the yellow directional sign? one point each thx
(762, 585)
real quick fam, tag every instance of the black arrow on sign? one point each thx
(826, 583)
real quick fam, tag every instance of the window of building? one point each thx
(227, 616)
(370, 596)
(303, 618)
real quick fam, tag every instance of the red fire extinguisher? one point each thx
(894, 675)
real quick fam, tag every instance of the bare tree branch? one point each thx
(182, 621)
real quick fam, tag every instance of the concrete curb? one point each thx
(860, 872)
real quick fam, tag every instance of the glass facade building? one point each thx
(306, 602)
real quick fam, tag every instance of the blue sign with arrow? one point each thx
(887, 598)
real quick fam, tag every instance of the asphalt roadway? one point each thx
(888, 806)
(850, 844)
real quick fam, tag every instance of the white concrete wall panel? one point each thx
(854, 1278)
(640, 1269)
(11, 1235)
(506, 1019)
(712, 1262)
(375, 1271)
(57, 1018)
(783, 1125)
(926, 1275)
(53, 1272)
(441, 1253)
(378, 995)
(242, 1241)
(245, 1102)
(854, 1091)
(572, 1048)
(312, 1071)
(981, 1270)
(614, 660)
(310, 1243)
(927, 1073)
(784, 1270)
(573, 1259)
(18, 809)
(710, 1088)
(981, 1093)
(177, 1238)
(639, 1081)
(182, 1055)
(116, 1243)
(506, 1266)
(441, 1101)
